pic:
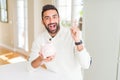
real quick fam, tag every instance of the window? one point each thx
(69, 10)
(3, 11)
(22, 30)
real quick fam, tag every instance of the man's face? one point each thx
(51, 21)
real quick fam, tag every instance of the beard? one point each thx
(52, 28)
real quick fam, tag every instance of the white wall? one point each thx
(101, 28)
(118, 71)
(7, 29)
(118, 67)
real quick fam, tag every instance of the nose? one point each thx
(51, 20)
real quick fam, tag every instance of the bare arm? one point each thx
(39, 61)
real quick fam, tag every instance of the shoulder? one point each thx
(65, 30)
(39, 38)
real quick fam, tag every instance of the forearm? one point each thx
(79, 47)
(36, 63)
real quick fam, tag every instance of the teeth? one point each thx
(52, 27)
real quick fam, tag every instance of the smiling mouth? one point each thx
(52, 27)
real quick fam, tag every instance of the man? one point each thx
(69, 55)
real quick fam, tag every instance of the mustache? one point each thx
(52, 24)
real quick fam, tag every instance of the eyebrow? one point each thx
(52, 15)
(55, 15)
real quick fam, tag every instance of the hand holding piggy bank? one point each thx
(48, 50)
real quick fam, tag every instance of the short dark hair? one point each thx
(49, 7)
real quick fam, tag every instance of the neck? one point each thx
(52, 35)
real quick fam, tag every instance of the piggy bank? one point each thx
(48, 50)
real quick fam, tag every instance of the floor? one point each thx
(9, 57)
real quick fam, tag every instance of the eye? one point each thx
(46, 18)
(54, 17)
